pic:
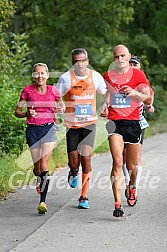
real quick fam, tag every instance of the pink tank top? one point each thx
(43, 104)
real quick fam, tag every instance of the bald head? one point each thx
(121, 56)
(120, 48)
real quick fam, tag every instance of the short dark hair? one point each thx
(79, 51)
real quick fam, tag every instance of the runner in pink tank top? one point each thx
(41, 101)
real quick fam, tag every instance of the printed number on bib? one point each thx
(120, 101)
(83, 110)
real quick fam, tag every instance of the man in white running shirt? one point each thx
(79, 86)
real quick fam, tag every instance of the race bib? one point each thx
(83, 110)
(120, 101)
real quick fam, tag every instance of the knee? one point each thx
(86, 159)
(131, 166)
(117, 163)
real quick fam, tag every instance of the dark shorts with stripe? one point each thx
(129, 130)
(37, 135)
(81, 136)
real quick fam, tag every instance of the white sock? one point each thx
(139, 172)
(126, 174)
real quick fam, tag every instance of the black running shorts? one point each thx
(79, 136)
(129, 130)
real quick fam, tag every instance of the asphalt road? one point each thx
(66, 228)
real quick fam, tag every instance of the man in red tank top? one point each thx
(127, 87)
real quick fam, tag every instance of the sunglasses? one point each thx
(39, 74)
(79, 61)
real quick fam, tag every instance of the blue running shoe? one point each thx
(73, 178)
(83, 203)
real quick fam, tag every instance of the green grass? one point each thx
(7, 167)
(17, 171)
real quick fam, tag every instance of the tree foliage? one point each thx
(57, 27)
(6, 12)
(12, 130)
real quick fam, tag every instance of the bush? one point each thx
(14, 78)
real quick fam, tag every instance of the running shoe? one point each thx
(132, 198)
(83, 203)
(118, 212)
(127, 192)
(73, 178)
(42, 209)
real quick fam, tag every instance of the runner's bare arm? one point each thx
(104, 106)
(142, 95)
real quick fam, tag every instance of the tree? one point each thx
(7, 9)
(58, 26)
(14, 74)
